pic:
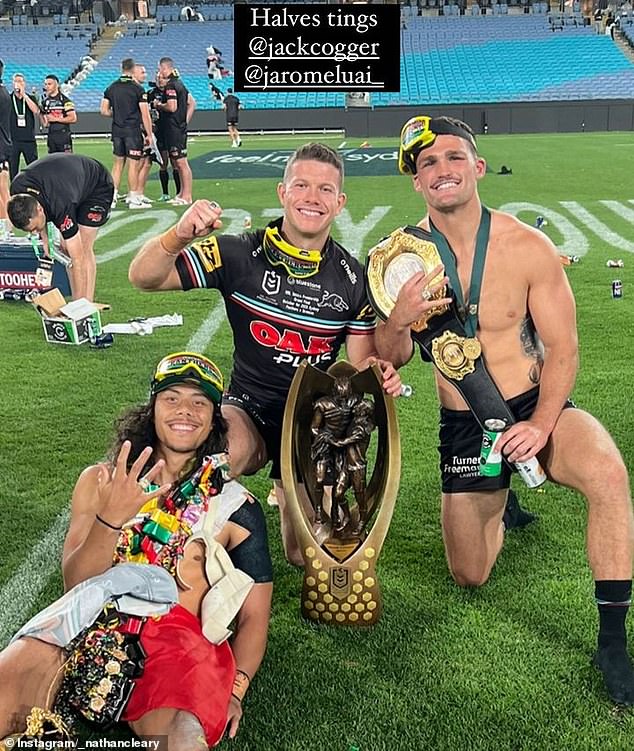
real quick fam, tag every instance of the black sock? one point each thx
(177, 180)
(613, 598)
(165, 181)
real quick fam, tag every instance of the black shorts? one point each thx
(175, 143)
(128, 144)
(267, 420)
(460, 439)
(59, 142)
(232, 122)
(95, 210)
(5, 158)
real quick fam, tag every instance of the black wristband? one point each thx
(107, 524)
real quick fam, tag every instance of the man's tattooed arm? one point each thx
(533, 348)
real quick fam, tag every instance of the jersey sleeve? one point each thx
(170, 92)
(66, 223)
(252, 554)
(203, 265)
(68, 105)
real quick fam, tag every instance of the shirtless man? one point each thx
(122, 514)
(526, 325)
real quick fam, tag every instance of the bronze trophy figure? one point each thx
(340, 516)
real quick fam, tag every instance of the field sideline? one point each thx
(506, 668)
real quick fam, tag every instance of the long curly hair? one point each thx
(137, 426)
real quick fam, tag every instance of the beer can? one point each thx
(532, 472)
(617, 289)
(490, 456)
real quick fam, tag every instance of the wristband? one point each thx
(107, 524)
(171, 243)
(240, 685)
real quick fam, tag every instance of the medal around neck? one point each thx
(341, 462)
(392, 262)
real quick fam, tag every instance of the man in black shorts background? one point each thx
(74, 193)
(285, 304)
(5, 155)
(126, 102)
(176, 110)
(231, 105)
(24, 108)
(58, 113)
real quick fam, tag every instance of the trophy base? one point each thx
(345, 594)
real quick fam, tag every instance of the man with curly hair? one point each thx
(161, 553)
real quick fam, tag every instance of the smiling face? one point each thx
(183, 418)
(447, 173)
(312, 198)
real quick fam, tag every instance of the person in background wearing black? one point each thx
(176, 111)
(140, 76)
(157, 95)
(231, 105)
(126, 102)
(74, 193)
(58, 113)
(5, 155)
(24, 107)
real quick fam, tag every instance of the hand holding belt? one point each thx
(440, 333)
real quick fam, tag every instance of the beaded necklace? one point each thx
(158, 533)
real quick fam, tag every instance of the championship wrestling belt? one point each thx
(441, 332)
(337, 426)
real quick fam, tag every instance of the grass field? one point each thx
(505, 668)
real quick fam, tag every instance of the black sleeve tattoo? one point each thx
(533, 348)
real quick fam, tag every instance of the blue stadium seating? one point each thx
(444, 60)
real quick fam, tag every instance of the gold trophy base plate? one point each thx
(346, 595)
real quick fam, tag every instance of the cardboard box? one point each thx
(68, 323)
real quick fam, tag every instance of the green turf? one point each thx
(503, 668)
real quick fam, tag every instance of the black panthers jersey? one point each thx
(279, 320)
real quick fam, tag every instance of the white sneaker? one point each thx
(136, 204)
(234, 145)
(145, 199)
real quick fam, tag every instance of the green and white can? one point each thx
(490, 456)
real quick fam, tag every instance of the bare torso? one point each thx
(505, 330)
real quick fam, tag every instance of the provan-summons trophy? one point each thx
(340, 462)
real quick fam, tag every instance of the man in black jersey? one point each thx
(58, 113)
(231, 105)
(176, 111)
(126, 102)
(5, 154)
(291, 293)
(24, 108)
(74, 193)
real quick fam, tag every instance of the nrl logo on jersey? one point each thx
(271, 282)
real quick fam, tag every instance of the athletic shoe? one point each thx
(234, 145)
(515, 517)
(102, 341)
(135, 205)
(145, 199)
(616, 667)
(179, 202)
(165, 197)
